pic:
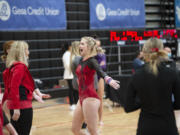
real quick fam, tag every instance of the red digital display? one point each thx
(141, 35)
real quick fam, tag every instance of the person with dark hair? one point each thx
(6, 48)
(138, 61)
(150, 89)
(168, 50)
(171, 62)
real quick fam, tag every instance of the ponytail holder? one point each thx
(154, 49)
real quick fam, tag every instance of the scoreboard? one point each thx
(169, 37)
(142, 35)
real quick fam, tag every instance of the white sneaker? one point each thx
(101, 123)
(72, 107)
(87, 131)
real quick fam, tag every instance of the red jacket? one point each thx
(19, 86)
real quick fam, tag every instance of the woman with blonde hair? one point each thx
(37, 93)
(19, 87)
(89, 103)
(151, 89)
(74, 61)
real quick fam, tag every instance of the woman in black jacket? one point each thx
(151, 89)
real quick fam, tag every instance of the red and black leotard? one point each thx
(85, 73)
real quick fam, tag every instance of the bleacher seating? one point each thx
(46, 47)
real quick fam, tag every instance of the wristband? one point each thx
(108, 79)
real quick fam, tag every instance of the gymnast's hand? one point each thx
(45, 95)
(38, 98)
(16, 114)
(115, 84)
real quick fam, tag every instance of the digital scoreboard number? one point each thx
(142, 35)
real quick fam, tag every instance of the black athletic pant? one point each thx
(76, 96)
(24, 123)
(5, 119)
(73, 94)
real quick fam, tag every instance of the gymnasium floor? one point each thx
(54, 118)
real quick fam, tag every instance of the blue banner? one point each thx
(177, 13)
(32, 15)
(109, 14)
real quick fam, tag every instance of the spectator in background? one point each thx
(168, 50)
(151, 88)
(74, 61)
(172, 65)
(101, 58)
(171, 62)
(68, 75)
(138, 61)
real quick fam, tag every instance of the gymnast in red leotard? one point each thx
(89, 103)
(85, 72)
